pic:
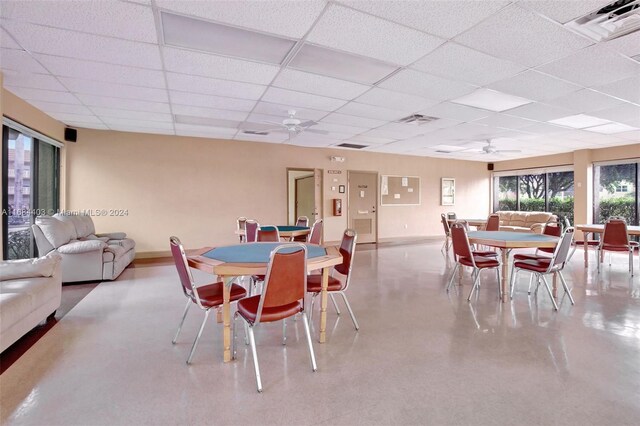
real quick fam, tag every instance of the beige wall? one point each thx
(196, 188)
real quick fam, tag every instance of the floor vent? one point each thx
(351, 145)
(614, 20)
(417, 119)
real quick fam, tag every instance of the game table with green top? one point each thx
(229, 262)
(285, 231)
(505, 241)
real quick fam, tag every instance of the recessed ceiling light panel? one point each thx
(611, 128)
(205, 121)
(191, 33)
(491, 100)
(580, 121)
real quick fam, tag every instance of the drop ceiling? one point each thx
(508, 71)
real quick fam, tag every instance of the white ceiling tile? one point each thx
(299, 99)
(441, 18)
(391, 148)
(534, 85)
(395, 131)
(206, 122)
(33, 81)
(352, 31)
(211, 86)
(564, 11)
(545, 129)
(282, 111)
(394, 100)
(455, 112)
(585, 101)
(319, 85)
(350, 120)
(287, 18)
(42, 95)
(53, 41)
(98, 71)
(491, 100)
(19, 60)
(579, 121)
(84, 125)
(539, 112)
(132, 115)
(338, 128)
(209, 112)
(628, 45)
(370, 111)
(631, 136)
(311, 140)
(270, 138)
(429, 86)
(612, 128)
(50, 107)
(140, 129)
(592, 66)
(108, 18)
(366, 139)
(124, 104)
(207, 65)
(627, 88)
(118, 121)
(82, 118)
(505, 121)
(523, 37)
(205, 131)
(457, 62)
(209, 101)
(623, 113)
(100, 88)
(7, 42)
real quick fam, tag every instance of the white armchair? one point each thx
(86, 256)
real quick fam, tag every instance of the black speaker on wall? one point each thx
(489, 166)
(70, 134)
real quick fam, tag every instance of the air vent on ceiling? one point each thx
(255, 132)
(352, 146)
(417, 119)
(616, 19)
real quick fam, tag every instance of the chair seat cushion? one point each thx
(536, 265)
(522, 256)
(615, 247)
(481, 262)
(314, 284)
(248, 308)
(211, 294)
(484, 253)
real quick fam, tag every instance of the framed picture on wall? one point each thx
(448, 192)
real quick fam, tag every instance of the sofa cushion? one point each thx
(537, 217)
(117, 250)
(84, 225)
(92, 237)
(127, 243)
(66, 218)
(54, 230)
(518, 219)
(28, 268)
(75, 247)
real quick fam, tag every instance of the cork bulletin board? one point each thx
(399, 190)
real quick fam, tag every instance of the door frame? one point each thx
(377, 198)
(295, 195)
(318, 208)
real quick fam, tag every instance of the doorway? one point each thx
(304, 194)
(363, 205)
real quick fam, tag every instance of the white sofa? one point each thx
(86, 256)
(517, 221)
(30, 292)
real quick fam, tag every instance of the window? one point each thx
(30, 180)
(615, 191)
(550, 191)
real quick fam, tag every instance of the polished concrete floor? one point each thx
(422, 356)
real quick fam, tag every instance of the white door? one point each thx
(363, 203)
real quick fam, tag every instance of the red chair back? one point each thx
(615, 233)
(460, 240)
(251, 231)
(268, 234)
(347, 250)
(302, 221)
(180, 260)
(445, 224)
(315, 237)
(493, 223)
(552, 229)
(286, 279)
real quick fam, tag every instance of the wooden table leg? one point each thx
(505, 273)
(226, 315)
(585, 235)
(323, 305)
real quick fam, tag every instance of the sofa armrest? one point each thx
(86, 246)
(537, 228)
(113, 235)
(30, 268)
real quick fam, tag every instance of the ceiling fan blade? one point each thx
(275, 123)
(319, 132)
(308, 123)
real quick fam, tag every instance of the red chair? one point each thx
(204, 296)
(493, 223)
(314, 282)
(486, 253)
(616, 238)
(241, 223)
(302, 221)
(551, 228)
(466, 257)
(315, 236)
(447, 234)
(542, 266)
(268, 234)
(282, 297)
(251, 231)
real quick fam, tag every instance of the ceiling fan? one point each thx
(490, 149)
(291, 125)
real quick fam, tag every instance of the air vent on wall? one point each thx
(616, 19)
(255, 132)
(352, 146)
(417, 119)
